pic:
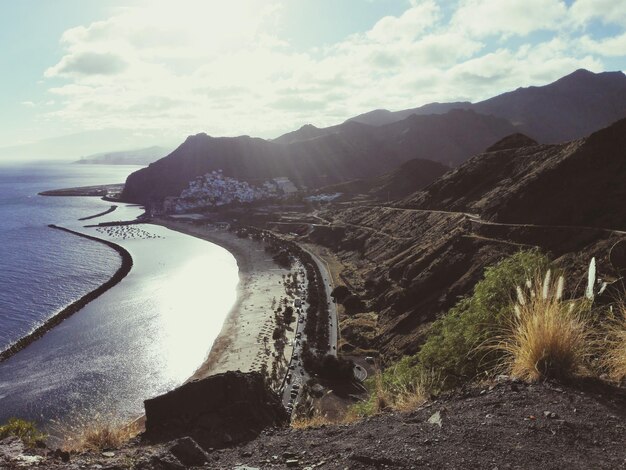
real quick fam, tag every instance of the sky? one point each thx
(155, 71)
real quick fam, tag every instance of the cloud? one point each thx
(607, 11)
(88, 63)
(222, 67)
(28, 104)
(609, 47)
(512, 17)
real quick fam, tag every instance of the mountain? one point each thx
(401, 182)
(143, 157)
(380, 117)
(569, 108)
(306, 132)
(569, 182)
(418, 256)
(351, 151)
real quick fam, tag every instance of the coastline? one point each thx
(238, 345)
(77, 305)
(100, 214)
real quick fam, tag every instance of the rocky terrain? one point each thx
(412, 260)
(397, 184)
(501, 425)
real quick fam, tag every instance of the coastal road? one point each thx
(332, 307)
(296, 373)
(296, 376)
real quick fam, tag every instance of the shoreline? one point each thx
(101, 190)
(100, 214)
(233, 349)
(77, 305)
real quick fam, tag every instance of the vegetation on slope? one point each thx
(516, 322)
(25, 430)
(452, 346)
(546, 336)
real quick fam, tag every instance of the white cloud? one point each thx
(28, 104)
(88, 63)
(511, 17)
(220, 67)
(610, 47)
(607, 11)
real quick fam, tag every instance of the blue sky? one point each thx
(160, 70)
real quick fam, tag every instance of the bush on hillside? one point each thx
(451, 347)
(340, 292)
(545, 336)
(401, 387)
(25, 430)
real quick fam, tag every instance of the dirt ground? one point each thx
(506, 425)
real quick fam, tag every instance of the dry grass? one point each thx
(403, 387)
(318, 420)
(615, 356)
(546, 336)
(99, 435)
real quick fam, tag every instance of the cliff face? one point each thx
(350, 151)
(219, 411)
(419, 256)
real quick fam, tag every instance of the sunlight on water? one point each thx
(198, 292)
(143, 337)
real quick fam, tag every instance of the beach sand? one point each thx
(240, 344)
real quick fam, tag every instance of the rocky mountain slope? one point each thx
(351, 151)
(569, 108)
(399, 183)
(576, 183)
(411, 261)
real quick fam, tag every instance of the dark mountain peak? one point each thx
(583, 79)
(512, 141)
(306, 132)
(200, 137)
(374, 117)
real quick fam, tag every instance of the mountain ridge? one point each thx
(529, 108)
(354, 151)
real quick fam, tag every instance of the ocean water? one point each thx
(41, 269)
(141, 338)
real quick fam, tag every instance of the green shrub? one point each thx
(451, 347)
(401, 387)
(25, 430)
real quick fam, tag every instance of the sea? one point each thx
(141, 338)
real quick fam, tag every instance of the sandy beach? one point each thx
(240, 344)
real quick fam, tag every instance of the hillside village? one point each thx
(213, 189)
